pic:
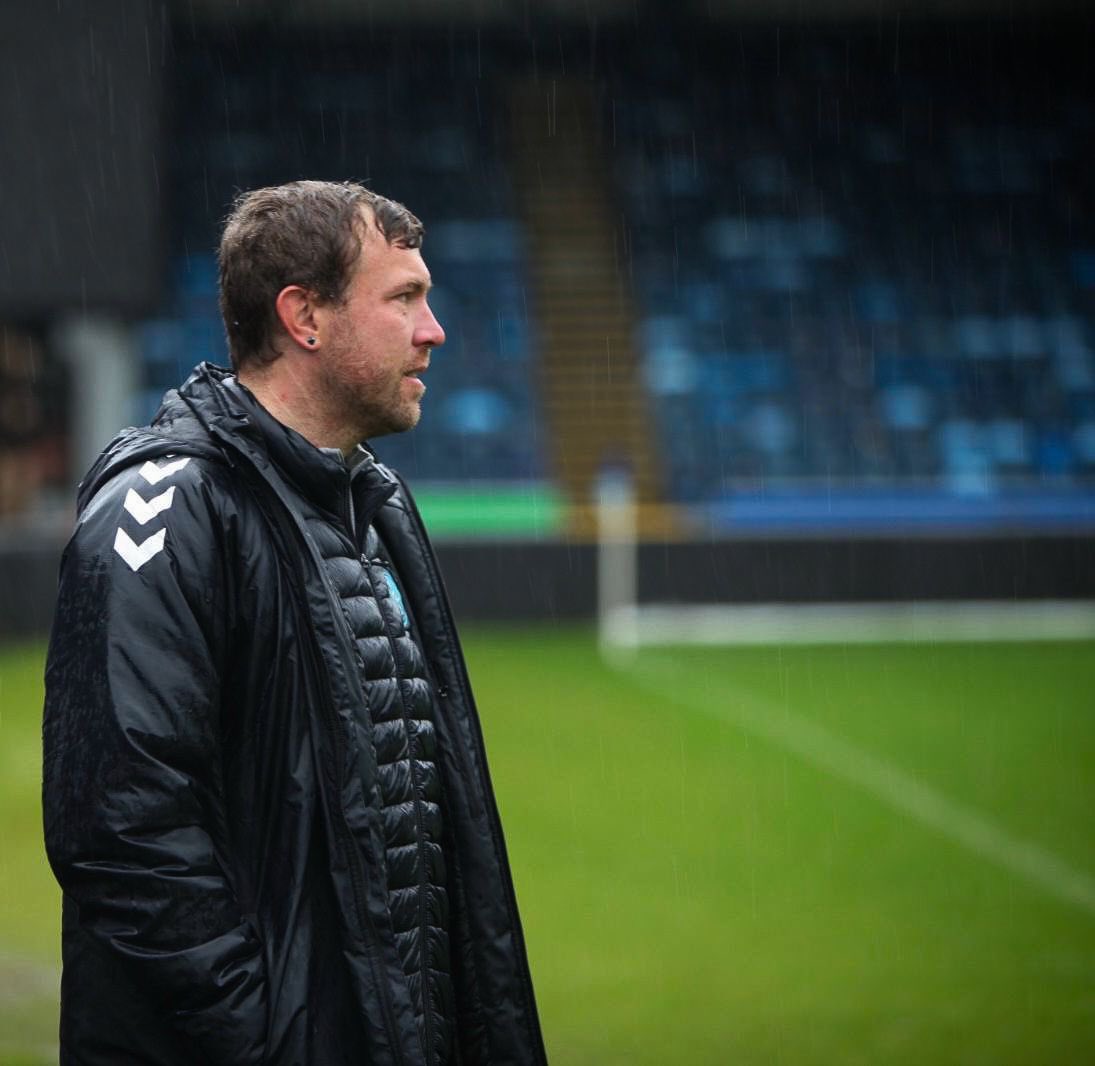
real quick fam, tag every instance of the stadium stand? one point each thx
(860, 266)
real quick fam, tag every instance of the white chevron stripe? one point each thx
(145, 510)
(154, 474)
(136, 555)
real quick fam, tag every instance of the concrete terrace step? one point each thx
(589, 377)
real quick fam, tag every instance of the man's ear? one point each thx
(296, 309)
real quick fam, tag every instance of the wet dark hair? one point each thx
(305, 233)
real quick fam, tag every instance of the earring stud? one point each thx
(312, 341)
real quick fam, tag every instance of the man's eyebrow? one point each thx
(414, 285)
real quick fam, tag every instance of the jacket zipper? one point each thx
(475, 805)
(494, 822)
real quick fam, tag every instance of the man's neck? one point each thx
(289, 398)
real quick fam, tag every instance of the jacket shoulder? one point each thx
(180, 506)
(155, 558)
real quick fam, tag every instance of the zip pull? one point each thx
(439, 686)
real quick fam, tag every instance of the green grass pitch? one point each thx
(697, 889)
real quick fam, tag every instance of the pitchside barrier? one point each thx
(744, 586)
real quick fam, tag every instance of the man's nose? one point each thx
(429, 332)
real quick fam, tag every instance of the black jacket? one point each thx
(206, 811)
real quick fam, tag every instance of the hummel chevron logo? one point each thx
(136, 555)
(154, 474)
(145, 510)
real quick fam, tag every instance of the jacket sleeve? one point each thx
(132, 790)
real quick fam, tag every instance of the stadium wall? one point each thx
(519, 580)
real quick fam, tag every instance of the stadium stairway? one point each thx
(589, 376)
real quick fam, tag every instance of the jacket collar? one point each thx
(232, 414)
(318, 474)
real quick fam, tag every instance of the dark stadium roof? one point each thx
(523, 11)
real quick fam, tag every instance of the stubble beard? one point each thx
(369, 406)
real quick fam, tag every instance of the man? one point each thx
(265, 791)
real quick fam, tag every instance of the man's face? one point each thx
(379, 341)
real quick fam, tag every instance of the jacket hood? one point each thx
(178, 428)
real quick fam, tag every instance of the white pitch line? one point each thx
(889, 783)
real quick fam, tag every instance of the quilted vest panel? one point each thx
(399, 715)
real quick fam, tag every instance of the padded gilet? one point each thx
(398, 720)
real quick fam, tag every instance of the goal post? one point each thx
(625, 622)
(617, 564)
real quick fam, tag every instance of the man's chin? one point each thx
(399, 423)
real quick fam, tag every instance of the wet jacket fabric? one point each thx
(254, 870)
